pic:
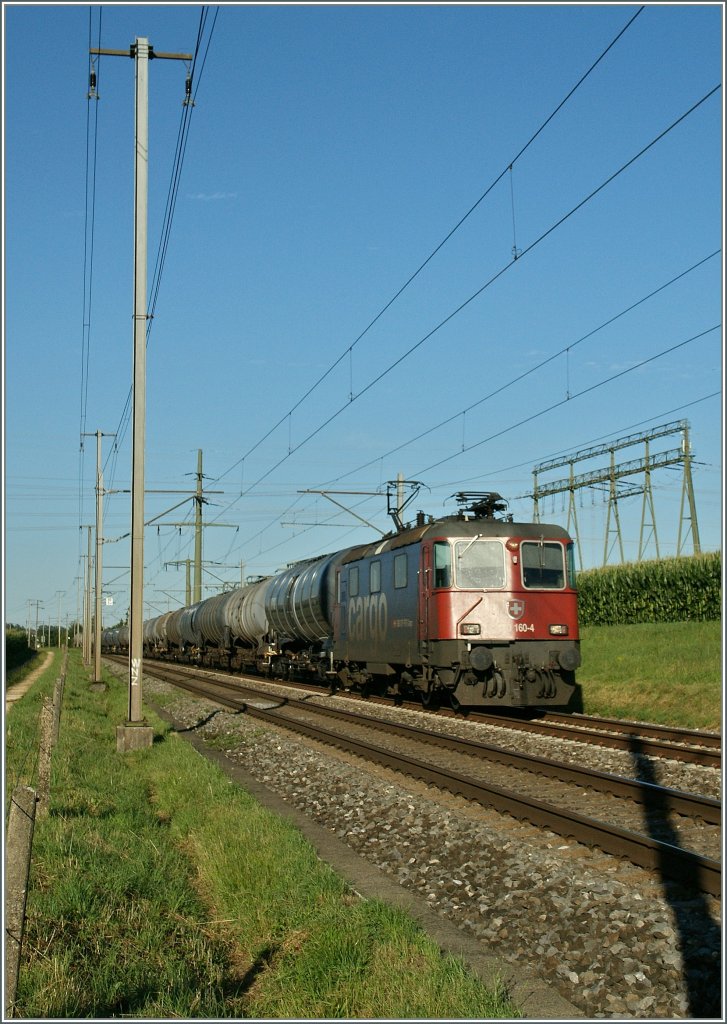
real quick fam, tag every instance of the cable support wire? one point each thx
(538, 366)
(88, 246)
(578, 394)
(459, 482)
(562, 220)
(348, 351)
(171, 202)
(528, 419)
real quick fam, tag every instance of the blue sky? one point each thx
(331, 150)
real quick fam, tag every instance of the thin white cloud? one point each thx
(208, 197)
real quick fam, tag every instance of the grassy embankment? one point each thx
(158, 889)
(669, 673)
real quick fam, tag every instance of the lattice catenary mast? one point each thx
(615, 472)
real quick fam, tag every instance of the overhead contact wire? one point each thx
(471, 298)
(527, 373)
(565, 401)
(88, 246)
(434, 252)
(172, 195)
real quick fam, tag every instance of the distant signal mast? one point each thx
(615, 476)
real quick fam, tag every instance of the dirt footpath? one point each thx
(20, 689)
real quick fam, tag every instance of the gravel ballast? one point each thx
(609, 938)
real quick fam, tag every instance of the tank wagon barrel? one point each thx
(245, 612)
(187, 627)
(174, 636)
(300, 602)
(210, 618)
(158, 634)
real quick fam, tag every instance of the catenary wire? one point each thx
(528, 419)
(434, 252)
(526, 373)
(88, 245)
(562, 220)
(172, 195)
(564, 401)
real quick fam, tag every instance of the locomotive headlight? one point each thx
(470, 629)
(558, 630)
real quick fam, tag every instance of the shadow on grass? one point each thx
(248, 979)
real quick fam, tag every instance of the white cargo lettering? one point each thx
(367, 617)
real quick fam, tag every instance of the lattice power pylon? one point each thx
(615, 476)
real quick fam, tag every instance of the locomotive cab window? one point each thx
(442, 564)
(375, 578)
(543, 565)
(570, 558)
(480, 564)
(353, 581)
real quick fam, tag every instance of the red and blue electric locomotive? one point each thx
(479, 610)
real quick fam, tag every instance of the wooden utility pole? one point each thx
(87, 609)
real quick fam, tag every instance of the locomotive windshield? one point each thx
(480, 564)
(543, 565)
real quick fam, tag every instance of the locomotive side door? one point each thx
(425, 589)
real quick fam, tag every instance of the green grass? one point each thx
(668, 673)
(159, 889)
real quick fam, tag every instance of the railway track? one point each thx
(657, 828)
(690, 746)
(687, 745)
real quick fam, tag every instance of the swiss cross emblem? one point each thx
(516, 609)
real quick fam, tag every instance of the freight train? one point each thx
(471, 609)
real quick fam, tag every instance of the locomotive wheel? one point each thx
(430, 699)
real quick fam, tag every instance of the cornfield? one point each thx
(668, 590)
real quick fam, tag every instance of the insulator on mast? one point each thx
(92, 94)
(188, 101)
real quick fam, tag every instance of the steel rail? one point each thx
(627, 739)
(644, 794)
(668, 733)
(691, 869)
